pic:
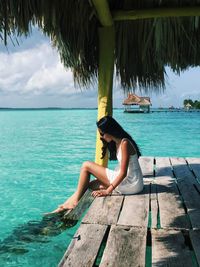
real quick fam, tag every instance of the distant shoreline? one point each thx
(57, 108)
(51, 108)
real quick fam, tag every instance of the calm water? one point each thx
(40, 156)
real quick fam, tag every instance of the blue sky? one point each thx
(31, 75)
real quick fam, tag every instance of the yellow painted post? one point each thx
(105, 81)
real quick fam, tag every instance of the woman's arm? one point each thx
(125, 150)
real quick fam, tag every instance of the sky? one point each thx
(32, 76)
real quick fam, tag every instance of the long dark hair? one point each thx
(110, 126)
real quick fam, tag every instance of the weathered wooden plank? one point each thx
(163, 167)
(194, 164)
(104, 210)
(83, 204)
(147, 166)
(135, 209)
(154, 206)
(172, 213)
(197, 187)
(125, 247)
(169, 249)
(84, 247)
(181, 170)
(195, 239)
(191, 198)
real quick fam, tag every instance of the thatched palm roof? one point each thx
(144, 47)
(134, 99)
(144, 102)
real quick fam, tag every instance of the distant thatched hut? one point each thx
(188, 106)
(142, 103)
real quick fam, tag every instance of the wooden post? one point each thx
(106, 66)
(105, 81)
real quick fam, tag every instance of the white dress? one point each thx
(133, 182)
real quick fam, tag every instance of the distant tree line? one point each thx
(194, 104)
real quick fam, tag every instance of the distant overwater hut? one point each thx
(188, 106)
(137, 104)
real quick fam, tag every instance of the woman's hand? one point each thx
(100, 193)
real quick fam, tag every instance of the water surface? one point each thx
(41, 153)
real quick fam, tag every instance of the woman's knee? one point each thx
(86, 165)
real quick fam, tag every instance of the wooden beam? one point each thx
(156, 13)
(103, 12)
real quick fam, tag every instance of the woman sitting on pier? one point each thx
(127, 176)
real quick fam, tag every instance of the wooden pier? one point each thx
(175, 110)
(158, 227)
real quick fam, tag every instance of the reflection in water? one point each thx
(34, 231)
(39, 231)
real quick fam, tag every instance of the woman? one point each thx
(126, 178)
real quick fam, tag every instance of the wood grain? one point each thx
(125, 247)
(135, 209)
(194, 164)
(172, 213)
(181, 170)
(195, 239)
(169, 249)
(83, 249)
(163, 167)
(104, 210)
(147, 166)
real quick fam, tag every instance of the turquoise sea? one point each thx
(41, 152)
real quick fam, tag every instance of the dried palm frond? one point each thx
(143, 47)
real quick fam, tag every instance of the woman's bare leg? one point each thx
(84, 182)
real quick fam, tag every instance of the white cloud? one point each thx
(35, 71)
(34, 76)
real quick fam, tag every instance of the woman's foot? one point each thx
(60, 209)
(69, 205)
(66, 206)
